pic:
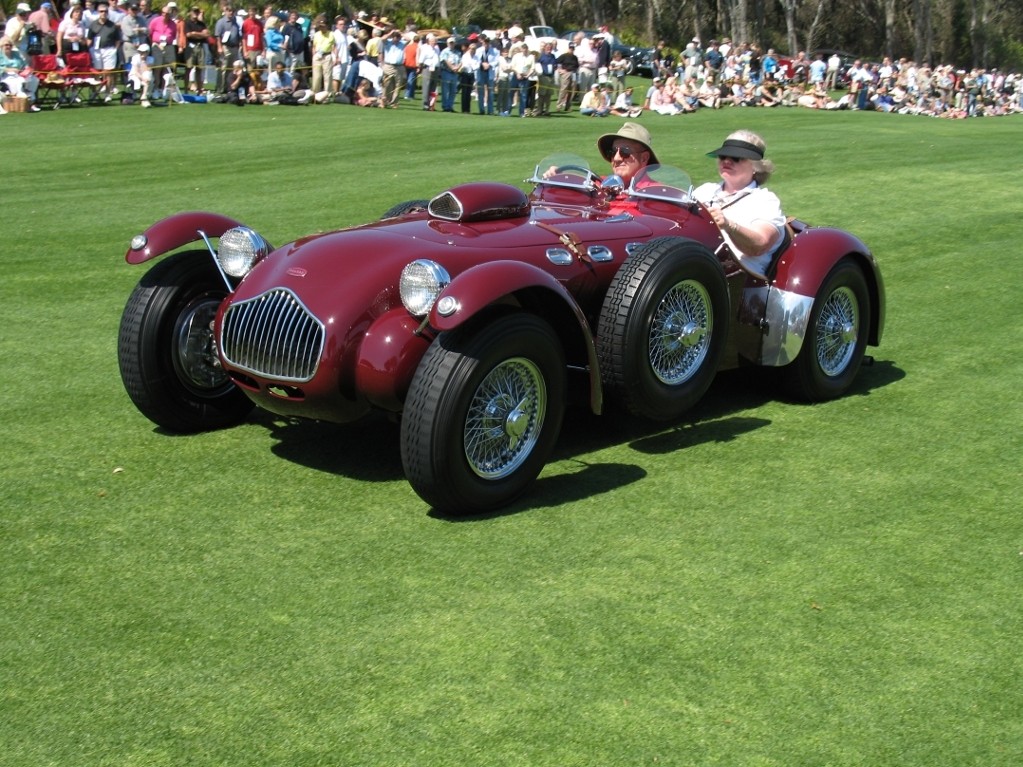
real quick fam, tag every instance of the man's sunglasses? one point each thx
(624, 151)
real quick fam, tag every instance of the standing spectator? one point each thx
(617, 71)
(105, 39)
(831, 77)
(692, 57)
(134, 32)
(449, 62)
(769, 65)
(467, 76)
(547, 64)
(72, 33)
(411, 67)
(196, 37)
(322, 43)
(568, 67)
(523, 63)
(163, 31)
(587, 73)
(502, 82)
(343, 54)
(273, 41)
(229, 42)
(602, 51)
(818, 70)
(713, 60)
(16, 28)
(45, 21)
(252, 39)
(393, 56)
(663, 60)
(429, 60)
(294, 42)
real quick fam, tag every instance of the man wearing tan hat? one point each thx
(628, 150)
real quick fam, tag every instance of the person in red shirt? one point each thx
(252, 38)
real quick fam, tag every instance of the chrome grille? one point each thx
(272, 335)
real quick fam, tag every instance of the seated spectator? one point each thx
(623, 106)
(282, 87)
(661, 102)
(364, 95)
(593, 103)
(140, 75)
(710, 94)
(16, 75)
(240, 88)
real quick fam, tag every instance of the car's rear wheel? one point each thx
(483, 413)
(165, 347)
(662, 328)
(836, 337)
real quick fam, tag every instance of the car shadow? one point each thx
(369, 449)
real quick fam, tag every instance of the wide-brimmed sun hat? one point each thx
(737, 148)
(631, 131)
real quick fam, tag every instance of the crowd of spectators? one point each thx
(136, 53)
(724, 74)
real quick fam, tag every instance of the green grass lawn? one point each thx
(767, 583)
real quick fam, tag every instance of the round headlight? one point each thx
(420, 284)
(239, 250)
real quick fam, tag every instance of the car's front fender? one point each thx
(174, 231)
(497, 282)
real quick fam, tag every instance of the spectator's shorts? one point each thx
(104, 59)
(195, 55)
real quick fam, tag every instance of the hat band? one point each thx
(737, 144)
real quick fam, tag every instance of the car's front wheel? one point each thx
(836, 337)
(165, 347)
(483, 413)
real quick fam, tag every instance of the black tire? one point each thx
(836, 337)
(405, 207)
(483, 413)
(165, 349)
(663, 327)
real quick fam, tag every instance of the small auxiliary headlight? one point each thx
(420, 284)
(239, 250)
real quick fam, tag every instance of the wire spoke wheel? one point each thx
(680, 332)
(505, 418)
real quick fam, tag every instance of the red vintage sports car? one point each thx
(476, 316)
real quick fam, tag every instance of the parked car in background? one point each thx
(482, 314)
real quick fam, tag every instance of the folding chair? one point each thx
(79, 76)
(51, 79)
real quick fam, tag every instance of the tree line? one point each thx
(966, 33)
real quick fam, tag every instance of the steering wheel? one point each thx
(589, 174)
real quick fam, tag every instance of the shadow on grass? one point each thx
(369, 449)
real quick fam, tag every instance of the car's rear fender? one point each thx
(173, 232)
(785, 304)
(525, 286)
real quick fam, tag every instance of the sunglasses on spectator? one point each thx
(733, 159)
(624, 151)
